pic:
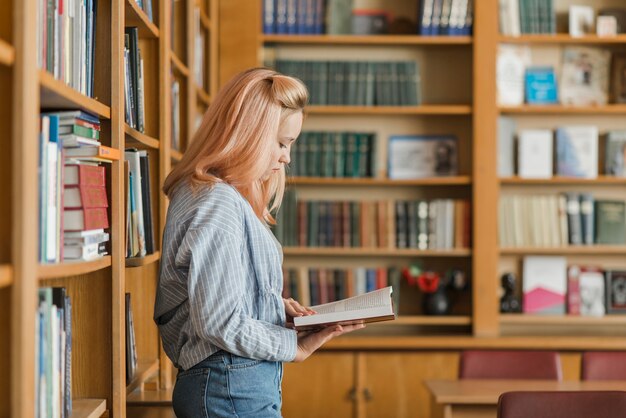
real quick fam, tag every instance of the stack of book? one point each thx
(133, 81)
(139, 228)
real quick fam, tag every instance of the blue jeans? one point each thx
(225, 385)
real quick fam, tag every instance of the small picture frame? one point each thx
(618, 78)
(606, 26)
(581, 20)
(616, 291)
(592, 292)
(422, 156)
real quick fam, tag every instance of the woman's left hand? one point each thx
(293, 309)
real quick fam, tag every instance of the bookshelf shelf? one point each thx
(435, 181)
(6, 275)
(204, 20)
(145, 370)
(134, 135)
(176, 155)
(600, 250)
(430, 320)
(522, 319)
(7, 53)
(367, 39)
(137, 17)
(566, 180)
(179, 65)
(161, 397)
(611, 109)
(57, 95)
(203, 96)
(88, 408)
(143, 261)
(51, 271)
(369, 252)
(563, 38)
(391, 110)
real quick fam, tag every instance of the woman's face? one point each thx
(288, 131)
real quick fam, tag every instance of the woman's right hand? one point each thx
(309, 342)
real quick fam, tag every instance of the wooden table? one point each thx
(479, 398)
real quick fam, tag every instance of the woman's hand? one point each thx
(308, 342)
(293, 309)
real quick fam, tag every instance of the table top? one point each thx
(487, 391)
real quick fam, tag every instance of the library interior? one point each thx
(459, 183)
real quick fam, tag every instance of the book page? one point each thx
(376, 299)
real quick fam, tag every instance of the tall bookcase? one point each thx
(97, 289)
(378, 371)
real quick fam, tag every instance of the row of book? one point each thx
(199, 43)
(446, 17)
(357, 83)
(315, 286)
(551, 287)
(139, 219)
(560, 220)
(131, 344)
(175, 113)
(527, 16)
(134, 99)
(53, 354)
(435, 224)
(302, 17)
(72, 190)
(66, 41)
(334, 154)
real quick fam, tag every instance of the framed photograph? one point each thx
(606, 26)
(616, 291)
(585, 76)
(618, 79)
(421, 156)
(591, 288)
(581, 20)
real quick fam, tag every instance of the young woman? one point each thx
(219, 308)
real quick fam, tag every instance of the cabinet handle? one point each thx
(352, 394)
(367, 394)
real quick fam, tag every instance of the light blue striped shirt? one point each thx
(220, 281)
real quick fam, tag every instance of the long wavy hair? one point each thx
(235, 139)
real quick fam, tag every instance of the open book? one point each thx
(374, 306)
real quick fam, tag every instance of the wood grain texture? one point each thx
(141, 283)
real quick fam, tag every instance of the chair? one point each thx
(576, 404)
(604, 365)
(477, 364)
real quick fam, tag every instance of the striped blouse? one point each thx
(220, 280)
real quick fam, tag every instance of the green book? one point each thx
(80, 131)
(339, 143)
(610, 222)
(328, 154)
(313, 224)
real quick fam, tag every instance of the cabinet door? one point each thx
(321, 386)
(392, 383)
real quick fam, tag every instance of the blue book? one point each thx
(540, 85)
(269, 15)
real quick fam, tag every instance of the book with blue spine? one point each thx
(540, 85)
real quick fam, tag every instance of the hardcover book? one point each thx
(615, 157)
(541, 85)
(577, 151)
(535, 154)
(544, 285)
(422, 156)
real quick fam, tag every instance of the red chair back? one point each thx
(604, 365)
(581, 404)
(478, 364)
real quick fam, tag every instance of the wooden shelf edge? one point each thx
(178, 64)
(341, 181)
(57, 95)
(574, 320)
(574, 249)
(176, 155)
(88, 408)
(565, 180)
(609, 109)
(205, 21)
(135, 16)
(563, 38)
(145, 370)
(368, 39)
(161, 397)
(6, 275)
(7, 53)
(391, 110)
(369, 252)
(142, 138)
(143, 261)
(430, 320)
(66, 269)
(203, 96)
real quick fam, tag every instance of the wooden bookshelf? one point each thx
(435, 181)
(203, 96)
(51, 271)
(57, 95)
(564, 38)
(391, 110)
(610, 109)
(150, 397)
(205, 21)
(6, 275)
(431, 320)
(88, 408)
(563, 320)
(373, 252)
(145, 370)
(176, 155)
(143, 261)
(133, 135)
(571, 250)
(7, 53)
(600, 180)
(367, 40)
(179, 65)
(137, 17)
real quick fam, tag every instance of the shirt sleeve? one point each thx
(217, 286)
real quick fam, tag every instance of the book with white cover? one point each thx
(373, 306)
(511, 64)
(544, 284)
(535, 154)
(577, 151)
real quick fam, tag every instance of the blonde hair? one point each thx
(235, 139)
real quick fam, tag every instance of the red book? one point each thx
(573, 290)
(87, 175)
(85, 219)
(85, 197)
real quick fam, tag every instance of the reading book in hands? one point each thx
(373, 306)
